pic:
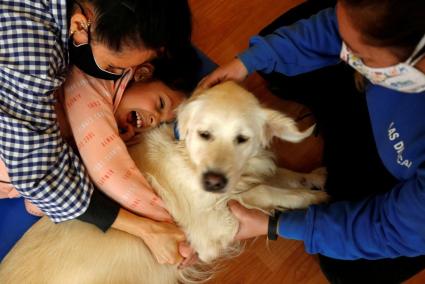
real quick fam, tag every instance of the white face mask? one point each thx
(402, 77)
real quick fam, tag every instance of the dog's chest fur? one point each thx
(176, 181)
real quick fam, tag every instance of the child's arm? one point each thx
(163, 239)
(305, 46)
(88, 104)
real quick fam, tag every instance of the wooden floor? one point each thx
(221, 30)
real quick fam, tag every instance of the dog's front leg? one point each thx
(212, 233)
(285, 178)
(267, 197)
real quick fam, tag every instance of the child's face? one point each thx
(373, 56)
(146, 105)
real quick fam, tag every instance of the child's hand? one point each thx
(163, 239)
(127, 132)
(188, 253)
(252, 222)
(234, 70)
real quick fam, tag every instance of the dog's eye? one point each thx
(204, 135)
(240, 139)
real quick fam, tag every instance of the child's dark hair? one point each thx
(397, 24)
(162, 25)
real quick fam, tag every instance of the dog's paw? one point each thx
(319, 197)
(210, 253)
(316, 179)
(321, 171)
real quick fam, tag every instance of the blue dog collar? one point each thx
(176, 130)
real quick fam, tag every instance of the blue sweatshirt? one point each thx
(382, 226)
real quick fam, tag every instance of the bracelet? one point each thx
(272, 229)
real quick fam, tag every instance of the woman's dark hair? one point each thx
(398, 24)
(162, 25)
(153, 23)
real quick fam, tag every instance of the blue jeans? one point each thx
(14, 222)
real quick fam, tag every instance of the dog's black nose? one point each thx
(213, 181)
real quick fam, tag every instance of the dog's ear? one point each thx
(186, 111)
(185, 114)
(283, 127)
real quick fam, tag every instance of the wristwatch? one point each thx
(272, 229)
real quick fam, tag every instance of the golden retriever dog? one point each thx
(221, 155)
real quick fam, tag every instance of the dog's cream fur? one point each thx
(224, 131)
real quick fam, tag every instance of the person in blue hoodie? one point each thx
(374, 230)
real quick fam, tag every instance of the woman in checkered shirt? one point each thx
(104, 38)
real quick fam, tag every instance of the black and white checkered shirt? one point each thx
(33, 64)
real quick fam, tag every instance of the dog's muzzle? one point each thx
(214, 181)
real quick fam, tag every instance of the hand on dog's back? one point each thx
(235, 70)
